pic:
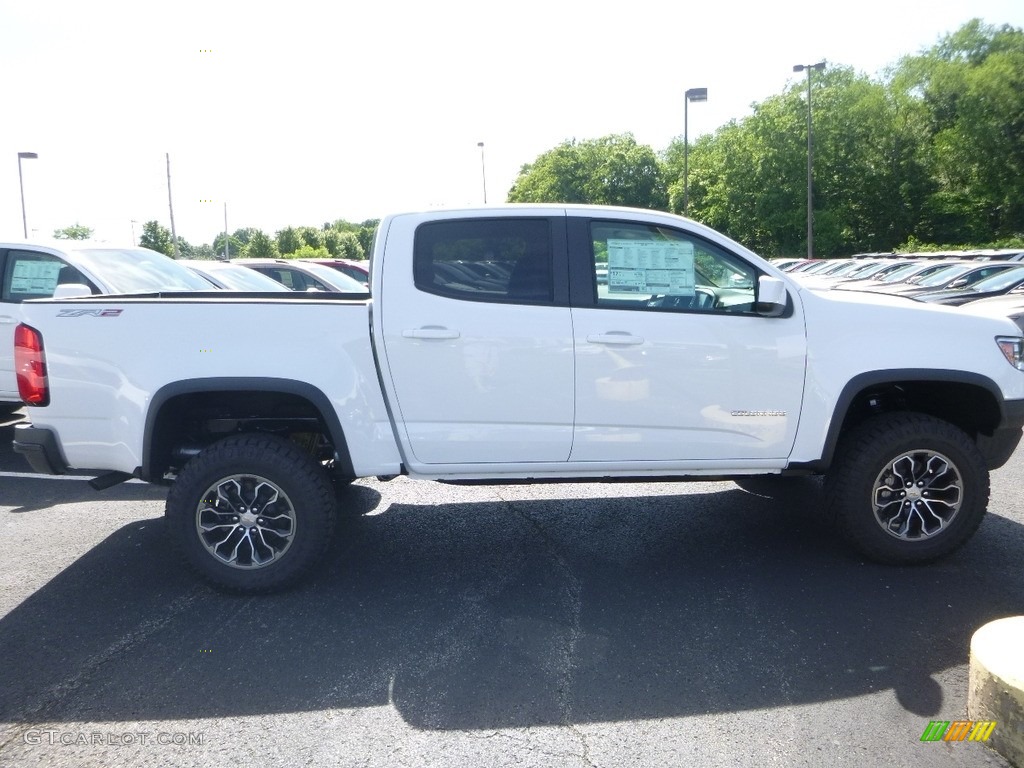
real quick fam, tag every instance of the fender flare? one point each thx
(302, 389)
(869, 379)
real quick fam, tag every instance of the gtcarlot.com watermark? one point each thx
(50, 738)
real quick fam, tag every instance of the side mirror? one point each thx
(772, 298)
(71, 291)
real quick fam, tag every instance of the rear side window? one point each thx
(506, 260)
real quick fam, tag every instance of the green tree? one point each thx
(288, 240)
(972, 86)
(349, 246)
(185, 249)
(204, 251)
(75, 232)
(367, 231)
(332, 241)
(612, 170)
(156, 237)
(306, 251)
(749, 180)
(311, 236)
(234, 246)
(260, 246)
(244, 235)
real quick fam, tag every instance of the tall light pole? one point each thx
(810, 156)
(693, 94)
(483, 169)
(170, 209)
(134, 222)
(21, 186)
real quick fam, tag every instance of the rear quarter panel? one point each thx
(106, 359)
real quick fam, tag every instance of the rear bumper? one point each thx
(41, 448)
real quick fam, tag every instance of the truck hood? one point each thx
(878, 316)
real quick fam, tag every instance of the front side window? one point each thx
(505, 260)
(656, 267)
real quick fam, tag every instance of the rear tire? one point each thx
(252, 513)
(907, 488)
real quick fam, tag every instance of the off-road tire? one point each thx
(272, 503)
(907, 488)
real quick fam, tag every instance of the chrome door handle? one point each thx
(430, 332)
(619, 338)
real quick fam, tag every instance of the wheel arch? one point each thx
(241, 398)
(970, 401)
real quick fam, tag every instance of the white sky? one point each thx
(306, 111)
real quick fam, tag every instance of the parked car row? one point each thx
(978, 284)
(39, 269)
(985, 254)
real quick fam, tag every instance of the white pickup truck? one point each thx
(518, 343)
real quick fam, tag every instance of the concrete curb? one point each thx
(996, 690)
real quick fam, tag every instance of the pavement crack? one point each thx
(35, 712)
(567, 654)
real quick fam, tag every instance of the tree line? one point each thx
(338, 239)
(930, 153)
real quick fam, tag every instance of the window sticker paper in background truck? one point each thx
(657, 267)
(34, 276)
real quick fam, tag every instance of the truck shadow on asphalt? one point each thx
(47, 491)
(503, 614)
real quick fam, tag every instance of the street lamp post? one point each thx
(21, 186)
(810, 156)
(483, 169)
(693, 94)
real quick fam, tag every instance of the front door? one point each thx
(672, 362)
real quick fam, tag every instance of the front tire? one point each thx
(907, 488)
(251, 513)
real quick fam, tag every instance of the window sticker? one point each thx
(650, 266)
(34, 277)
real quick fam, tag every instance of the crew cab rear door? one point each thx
(477, 337)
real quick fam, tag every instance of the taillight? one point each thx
(30, 366)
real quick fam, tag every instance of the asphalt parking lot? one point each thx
(576, 625)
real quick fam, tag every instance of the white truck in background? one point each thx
(521, 343)
(38, 269)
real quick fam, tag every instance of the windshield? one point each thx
(850, 268)
(818, 267)
(138, 270)
(942, 276)
(1000, 281)
(905, 271)
(869, 270)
